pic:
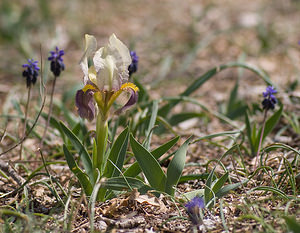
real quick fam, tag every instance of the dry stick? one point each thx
(24, 161)
(5, 167)
(261, 137)
(44, 162)
(50, 111)
(87, 204)
(3, 134)
(25, 120)
(73, 219)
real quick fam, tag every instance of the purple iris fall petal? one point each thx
(132, 100)
(85, 104)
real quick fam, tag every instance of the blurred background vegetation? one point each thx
(175, 40)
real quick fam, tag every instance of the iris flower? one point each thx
(105, 78)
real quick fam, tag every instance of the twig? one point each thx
(24, 161)
(44, 162)
(77, 208)
(49, 114)
(3, 134)
(5, 167)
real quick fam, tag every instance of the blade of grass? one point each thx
(84, 155)
(270, 189)
(149, 131)
(120, 184)
(270, 124)
(85, 183)
(135, 169)
(117, 154)
(163, 111)
(149, 165)
(175, 168)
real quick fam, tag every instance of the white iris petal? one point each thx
(90, 48)
(110, 62)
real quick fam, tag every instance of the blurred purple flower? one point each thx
(31, 72)
(269, 98)
(193, 209)
(57, 64)
(132, 68)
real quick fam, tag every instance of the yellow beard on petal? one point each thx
(88, 87)
(124, 87)
(129, 85)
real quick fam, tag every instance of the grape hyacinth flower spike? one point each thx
(31, 72)
(269, 98)
(132, 68)
(57, 62)
(268, 103)
(193, 208)
(56, 66)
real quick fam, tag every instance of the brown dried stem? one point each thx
(49, 114)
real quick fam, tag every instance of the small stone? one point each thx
(101, 225)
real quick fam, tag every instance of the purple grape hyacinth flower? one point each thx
(269, 98)
(193, 209)
(57, 62)
(31, 72)
(132, 68)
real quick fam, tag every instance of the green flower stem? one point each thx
(25, 121)
(101, 131)
(49, 113)
(261, 138)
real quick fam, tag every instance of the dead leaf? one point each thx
(39, 192)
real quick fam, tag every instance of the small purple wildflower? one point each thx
(132, 68)
(31, 72)
(269, 98)
(57, 62)
(193, 209)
